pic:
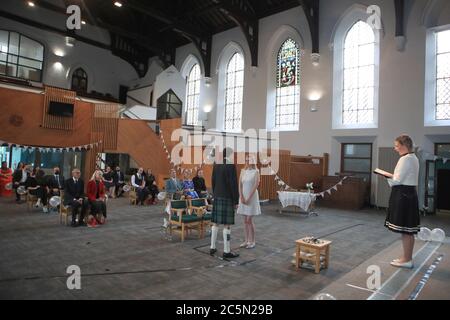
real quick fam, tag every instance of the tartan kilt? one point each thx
(223, 211)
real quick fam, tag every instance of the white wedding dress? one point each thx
(248, 180)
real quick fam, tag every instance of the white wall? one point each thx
(402, 82)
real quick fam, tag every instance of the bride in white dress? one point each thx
(249, 199)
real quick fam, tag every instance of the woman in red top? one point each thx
(6, 178)
(97, 198)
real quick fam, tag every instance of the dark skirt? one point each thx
(403, 214)
(223, 211)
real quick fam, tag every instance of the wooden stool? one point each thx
(320, 248)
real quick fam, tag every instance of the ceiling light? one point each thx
(31, 3)
(118, 4)
(83, 22)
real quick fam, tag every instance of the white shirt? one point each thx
(406, 172)
(24, 176)
(133, 180)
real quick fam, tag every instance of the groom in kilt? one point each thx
(226, 198)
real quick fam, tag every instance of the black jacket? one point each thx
(199, 184)
(52, 182)
(73, 191)
(225, 183)
(116, 177)
(17, 175)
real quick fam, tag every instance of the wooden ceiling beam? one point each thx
(311, 9)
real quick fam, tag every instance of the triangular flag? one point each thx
(340, 183)
(329, 192)
(335, 188)
(445, 160)
(435, 158)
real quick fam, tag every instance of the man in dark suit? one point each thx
(74, 197)
(226, 198)
(119, 181)
(55, 183)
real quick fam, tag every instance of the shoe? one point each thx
(251, 246)
(230, 255)
(92, 224)
(74, 224)
(212, 251)
(406, 265)
(45, 210)
(244, 245)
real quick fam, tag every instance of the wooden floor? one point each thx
(131, 258)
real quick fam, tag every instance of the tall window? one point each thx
(234, 91)
(287, 110)
(358, 99)
(79, 81)
(193, 95)
(20, 57)
(443, 75)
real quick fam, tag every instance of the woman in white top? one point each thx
(403, 213)
(249, 199)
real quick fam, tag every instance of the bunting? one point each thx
(47, 149)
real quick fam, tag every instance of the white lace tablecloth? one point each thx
(298, 199)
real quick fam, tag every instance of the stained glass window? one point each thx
(443, 75)
(287, 108)
(359, 75)
(234, 93)
(193, 95)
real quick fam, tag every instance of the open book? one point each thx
(382, 173)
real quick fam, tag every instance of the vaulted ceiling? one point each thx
(141, 29)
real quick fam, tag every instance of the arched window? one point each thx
(443, 75)
(359, 76)
(234, 90)
(287, 110)
(20, 56)
(79, 81)
(193, 95)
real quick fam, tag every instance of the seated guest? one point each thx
(138, 182)
(200, 185)
(19, 178)
(188, 185)
(35, 189)
(108, 180)
(55, 183)
(173, 186)
(119, 181)
(152, 187)
(6, 177)
(74, 197)
(97, 199)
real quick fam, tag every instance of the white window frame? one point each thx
(280, 36)
(186, 68)
(227, 53)
(353, 15)
(430, 79)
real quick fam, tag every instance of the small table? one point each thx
(318, 248)
(303, 200)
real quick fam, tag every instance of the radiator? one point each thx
(387, 160)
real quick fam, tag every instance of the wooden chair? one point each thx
(31, 200)
(64, 212)
(132, 195)
(201, 208)
(182, 220)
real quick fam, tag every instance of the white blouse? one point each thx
(406, 172)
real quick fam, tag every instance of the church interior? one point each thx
(143, 141)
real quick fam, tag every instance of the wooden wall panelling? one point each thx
(106, 120)
(58, 95)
